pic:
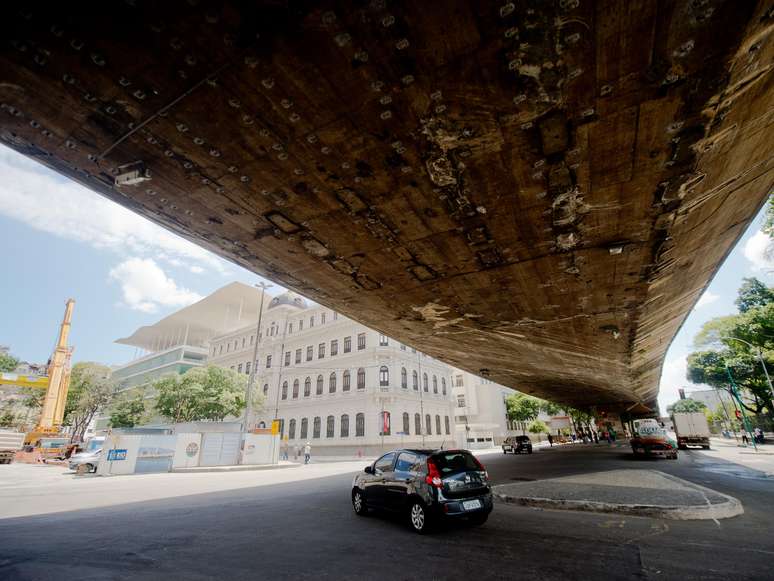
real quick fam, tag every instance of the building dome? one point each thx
(288, 298)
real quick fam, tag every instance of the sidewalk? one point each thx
(237, 468)
(648, 493)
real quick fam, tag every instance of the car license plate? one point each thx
(471, 504)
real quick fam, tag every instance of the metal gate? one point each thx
(220, 448)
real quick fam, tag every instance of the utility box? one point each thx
(691, 429)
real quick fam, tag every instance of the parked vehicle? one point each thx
(84, 462)
(691, 429)
(650, 439)
(517, 445)
(428, 486)
(10, 443)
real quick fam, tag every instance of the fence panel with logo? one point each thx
(187, 450)
(262, 447)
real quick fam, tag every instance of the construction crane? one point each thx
(56, 383)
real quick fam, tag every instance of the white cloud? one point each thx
(755, 251)
(43, 200)
(145, 286)
(196, 269)
(672, 378)
(706, 299)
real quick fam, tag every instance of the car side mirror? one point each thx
(369, 470)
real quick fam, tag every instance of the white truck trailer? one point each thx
(10, 443)
(691, 429)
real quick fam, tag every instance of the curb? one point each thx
(728, 509)
(239, 468)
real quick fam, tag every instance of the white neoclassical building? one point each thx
(338, 384)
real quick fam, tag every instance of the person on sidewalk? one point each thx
(296, 452)
(550, 440)
(307, 453)
(285, 449)
(596, 437)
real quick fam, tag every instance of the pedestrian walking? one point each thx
(307, 453)
(745, 439)
(296, 452)
(596, 437)
(550, 440)
(285, 446)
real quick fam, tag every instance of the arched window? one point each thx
(295, 389)
(345, 381)
(428, 425)
(384, 376)
(443, 385)
(319, 385)
(284, 390)
(415, 380)
(361, 378)
(261, 424)
(292, 430)
(403, 378)
(360, 425)
(304, 428)
(265, 389)
(424, 382)
(437, 424)
(307, 387)
(332, 383)
(446, 424)
(344, 423)
(417, 424)
(316, 430)
(435, 384)
(406, 424)
(329, 427)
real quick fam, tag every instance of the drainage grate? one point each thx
(522, 479)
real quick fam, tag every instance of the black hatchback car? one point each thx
(426, 485)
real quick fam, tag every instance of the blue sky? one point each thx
(62, 240)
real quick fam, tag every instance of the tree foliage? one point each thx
(202, 393)
(522, 408)
(687, 405)
(753, 293)
(8, 362)
(128, 412)
(537, 427)
(90, 391)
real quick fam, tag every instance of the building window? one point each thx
(322, 318)
(298, 355)
(228, 347)
(239, 368)
(304, 428)
(316, 429)
(446, 425)
(307, 387)
(384, 424)
(311, 321)
(334, 347)
(300, 325)
(360, 341)
(415, 380)
(360, 425)
(268, 361)
(428, 425)
(443, 385)
(417, 424)
(437, 424)
(287, 358)
(290, 327)
(292, 430)
(284, 390)
(319, 385)
(247, 368)
(458, 379)
(321, 351)
(329, 427)
(424, 382)
(243, 342)
(345, 381)
(402, 347)
(281, 427)
(384, 376)
(252, 338)
(435, 384)
(295, 389)
(332, 383)
(309, 353)
(405, 423)
(460, 401)
(361, 378)
(347, 344)
(344, 426)
(383, 342)
(335, 315)
(403, 378)
(221, 349)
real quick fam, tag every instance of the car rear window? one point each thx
(455, 462)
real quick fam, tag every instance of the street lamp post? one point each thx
(758, 352)
(251, 380)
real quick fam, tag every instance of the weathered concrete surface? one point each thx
(537, 192)
(648, 493)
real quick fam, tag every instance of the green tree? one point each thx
(128, 412)
(687, 405)
(580, 419)
(7, 418)
(8, 362)
(550, 408)
(90, 391)
(203, 393)
(753, 293)
(537, 427)
(522, 408)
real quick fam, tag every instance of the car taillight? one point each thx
(481, 467)
(433, 477)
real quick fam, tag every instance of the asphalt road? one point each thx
(307, 530)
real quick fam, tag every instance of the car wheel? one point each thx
(505, 452)
(358, 503)
(478, 519)
(530, 451)
(419, 518)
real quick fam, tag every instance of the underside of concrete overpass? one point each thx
(537, 192)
